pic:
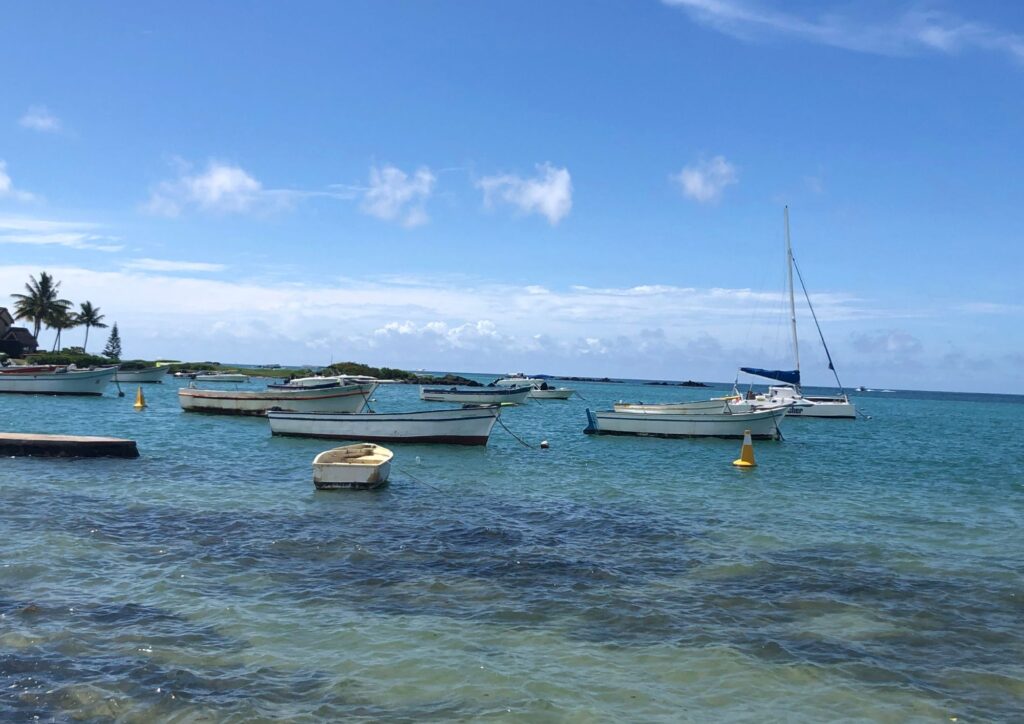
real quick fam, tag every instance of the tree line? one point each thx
(42, 305)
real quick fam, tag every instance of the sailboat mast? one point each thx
(792, 302)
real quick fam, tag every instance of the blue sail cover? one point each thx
(790, 376)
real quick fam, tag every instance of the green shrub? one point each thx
(64, 358)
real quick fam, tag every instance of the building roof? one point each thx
(22, 335)
(6, 320)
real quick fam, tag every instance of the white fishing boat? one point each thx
(338, 398)
(362, 466)
(551, 393)
(540, 389)
(55, 380)
(730, 403)
(462, 426)
(237, 377)
(834, 406)
(306, 383)
(518, 379)
(763, 424)
(476, 395)
(147, 374)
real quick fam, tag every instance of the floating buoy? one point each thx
(746, 453)
(140, 399)
(544, 445)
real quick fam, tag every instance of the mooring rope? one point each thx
(521, 440)
(403, 471)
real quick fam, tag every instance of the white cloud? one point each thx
(705, 180)
(549, 193)
(914, 31)
(167, 265)
(7, 189)
(393, 195)
(222, 187)
(38, 118)
(447, 323)
(44, 232)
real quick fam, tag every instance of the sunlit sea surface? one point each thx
(869, 569)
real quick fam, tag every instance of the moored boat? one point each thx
(54, 380)
(789, 393)
(462, 426)
(221, 377)
(338, 398)
(801, 405)
(763, 424)
(518, 379)
(551, 393)
(477, 395)
(146, 374)
(730, 403)
(540, 388)
(362, 466)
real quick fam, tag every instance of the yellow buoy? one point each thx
(746, 453)
(140, 399)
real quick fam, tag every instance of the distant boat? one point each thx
(836, 406)
(362, 466)
(462, 426)
(55, 380)
(518, 379)
(337, 398)
(763, 424)
(540, 388)
(221, 377)
(476, 395)
(146, 374)
(551, 393)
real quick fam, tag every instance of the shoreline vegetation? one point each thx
(67, 357)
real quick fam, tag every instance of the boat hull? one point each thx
(553, 393)
(810, 408)
(72, 382)
(807, 406)
(362, 466)
(348, 398)
(150, 374)
(763, 425)
(483, 396)
(464, 426)
(730, 404)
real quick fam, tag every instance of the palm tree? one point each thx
(89, 316)
(60, 318)
(39, 302)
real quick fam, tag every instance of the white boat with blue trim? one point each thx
(762, 424)
(462, 426)
(477, 395)
(143, 375)
(332, 398)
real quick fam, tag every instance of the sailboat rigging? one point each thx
(805, 406)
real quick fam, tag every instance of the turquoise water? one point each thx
(867, 569)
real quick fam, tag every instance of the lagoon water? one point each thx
(869, 569)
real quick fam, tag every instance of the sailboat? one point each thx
(836, 406)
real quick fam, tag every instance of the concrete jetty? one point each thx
(65, 446)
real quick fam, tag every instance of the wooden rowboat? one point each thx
(356, 467)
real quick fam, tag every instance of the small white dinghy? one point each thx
(354, 467)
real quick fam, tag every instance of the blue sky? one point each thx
(572, 187)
